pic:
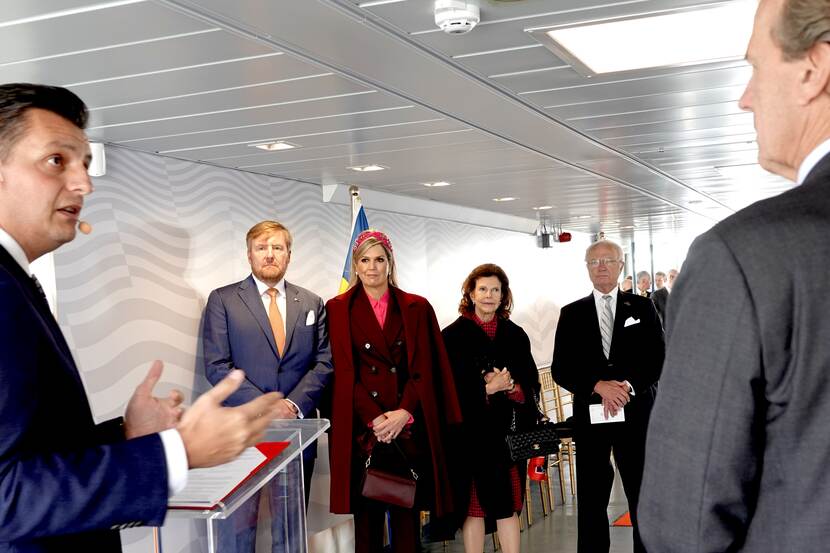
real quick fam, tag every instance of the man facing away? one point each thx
(661, 296)
(737, 446)
(608, 352)
(67, 484)
(275, 331)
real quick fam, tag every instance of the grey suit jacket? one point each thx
(237, 334)
(738, 443)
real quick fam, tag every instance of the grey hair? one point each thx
(801, 24)
(606, 243)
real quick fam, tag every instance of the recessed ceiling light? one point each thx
(542, 207)
(371, 3)
(627, 227)
(583, 216)
(437, 184)
(368, 168)
(275, 146)
(672, 39)
(505, 199)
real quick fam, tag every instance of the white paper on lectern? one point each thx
(207, 487)
(598, 415)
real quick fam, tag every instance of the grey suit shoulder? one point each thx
(732, 438)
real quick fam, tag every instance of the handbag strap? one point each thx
(406, 460)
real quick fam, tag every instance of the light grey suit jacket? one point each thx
(738, 452)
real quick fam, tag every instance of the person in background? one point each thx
(661, 297)
(275, 331)
(627, 284)
(644, 284)
(608, 352)
(671, 278)
(737, 446)
(659, 280)
(272, 329)
(498, 385)
(67, 484)
(394, 398)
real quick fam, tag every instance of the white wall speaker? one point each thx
(98, 165)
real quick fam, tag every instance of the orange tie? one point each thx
(275, 319)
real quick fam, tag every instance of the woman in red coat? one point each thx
(393, 394)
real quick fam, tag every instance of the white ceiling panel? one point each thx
(293, 131)
(267, 95)
(291, 110)
(350, 153)
(225, 155)
(245, 69)
(90, 30)
(492, 111)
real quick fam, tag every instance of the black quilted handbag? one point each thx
(540, 440)
(536, 442)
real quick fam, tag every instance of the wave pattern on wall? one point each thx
(167, 232)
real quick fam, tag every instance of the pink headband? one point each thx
(372, 233)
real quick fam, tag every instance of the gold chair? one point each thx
(557, 405)
(564, 408)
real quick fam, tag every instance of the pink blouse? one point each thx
(379, 307)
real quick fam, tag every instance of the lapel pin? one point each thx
(297, 299)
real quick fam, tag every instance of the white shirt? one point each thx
(812, 159)
(599, 303)
(262, 288)
(174, 452)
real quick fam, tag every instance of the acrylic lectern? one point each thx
(263, 513)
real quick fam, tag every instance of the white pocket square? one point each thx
(309, 319)
(631, 321)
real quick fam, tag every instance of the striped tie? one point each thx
(606, 325)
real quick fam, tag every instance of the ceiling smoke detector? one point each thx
(456, 17)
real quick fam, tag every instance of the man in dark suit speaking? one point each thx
(608, 352)
(276, 332)
(67, 484)
(737, 447)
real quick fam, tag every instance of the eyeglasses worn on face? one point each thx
(601, 261)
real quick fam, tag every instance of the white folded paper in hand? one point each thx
(598, 414)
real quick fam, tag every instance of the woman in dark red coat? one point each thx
(392, 383)
(497, 384)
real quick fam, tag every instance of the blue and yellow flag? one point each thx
(360, 224)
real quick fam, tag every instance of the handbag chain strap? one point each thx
(541, 419)
(398, 447)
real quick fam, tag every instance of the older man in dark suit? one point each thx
(67, 484)
(608, 352)
(737, 447)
